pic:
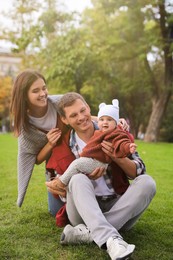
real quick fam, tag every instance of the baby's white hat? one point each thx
(109, 110)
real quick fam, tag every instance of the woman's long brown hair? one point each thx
(18, 106)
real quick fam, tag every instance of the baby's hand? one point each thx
(133, 148)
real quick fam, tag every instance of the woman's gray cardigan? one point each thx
(29, 145)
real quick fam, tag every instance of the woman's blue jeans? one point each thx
(54, 204)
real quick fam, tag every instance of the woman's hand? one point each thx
(56, 187)
(123, 124)
(94, 118)
(53, 136)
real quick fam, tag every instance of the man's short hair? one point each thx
(67, 100)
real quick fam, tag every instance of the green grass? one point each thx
(30, 232)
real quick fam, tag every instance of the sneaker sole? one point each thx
(128, 253)
(62, 242)
(63, 235)
(69, 230)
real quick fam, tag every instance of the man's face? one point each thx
(78, 116)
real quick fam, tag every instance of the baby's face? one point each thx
(106, 123)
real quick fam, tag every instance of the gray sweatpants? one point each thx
(104, 219)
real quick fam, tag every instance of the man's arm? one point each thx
(127, 165)
(132, 167)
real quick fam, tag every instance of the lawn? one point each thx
(29, 232)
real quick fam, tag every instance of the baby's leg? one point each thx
(81, 165)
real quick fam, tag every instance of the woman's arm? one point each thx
(53, 136)
(44, 154)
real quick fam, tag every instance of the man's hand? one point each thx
(97, 173)
(127, 165)
(56, 187)
(108, 149)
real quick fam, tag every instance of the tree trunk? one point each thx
(160, 97)
(158, 110)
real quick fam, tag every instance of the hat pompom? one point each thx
(102, 105)
(115, 103)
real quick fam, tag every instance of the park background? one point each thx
(110, 49)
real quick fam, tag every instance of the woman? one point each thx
(37, 126)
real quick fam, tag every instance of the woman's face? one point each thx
(37, 95)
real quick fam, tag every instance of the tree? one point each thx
(23, 15)
(71, 61)
(165, 133)
(120, 68)
(147, 29)
(161, 92)
(105, 55)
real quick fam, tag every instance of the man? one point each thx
(95, 211)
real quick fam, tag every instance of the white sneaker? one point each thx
(118, 249)
(75, 235)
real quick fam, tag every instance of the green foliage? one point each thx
(49, 19)
(103, 53)
(30, 232)
(70, 60)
